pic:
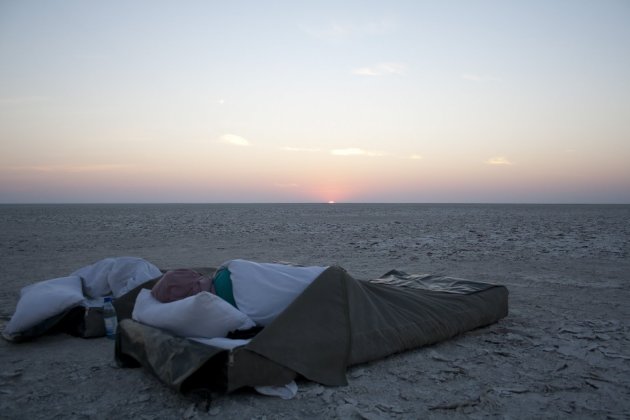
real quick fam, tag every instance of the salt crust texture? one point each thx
(561, 352)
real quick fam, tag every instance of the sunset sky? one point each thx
(291, 101)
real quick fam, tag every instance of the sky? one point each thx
(284, 101)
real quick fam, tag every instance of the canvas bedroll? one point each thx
(337, 322)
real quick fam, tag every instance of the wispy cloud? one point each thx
(381, 69)
(415, 157)
(299, 149)
(478, 78)
(499, 161)
(353, 151)
(234, 140)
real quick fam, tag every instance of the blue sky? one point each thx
(456, 101)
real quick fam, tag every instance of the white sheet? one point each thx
(286, 392)
(264, 290)
(221, 342)
(115, 276)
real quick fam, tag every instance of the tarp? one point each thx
(338, 321)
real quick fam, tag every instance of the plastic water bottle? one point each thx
(109, 316)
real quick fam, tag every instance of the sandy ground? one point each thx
(563, 351)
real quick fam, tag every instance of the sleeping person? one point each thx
(241, 294)
(262, 290)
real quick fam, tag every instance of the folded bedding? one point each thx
(44, 304)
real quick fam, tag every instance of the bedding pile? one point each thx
(337, 321)
(260, 325)
(75, 302)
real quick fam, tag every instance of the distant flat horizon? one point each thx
(319, 202)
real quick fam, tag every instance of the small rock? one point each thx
(407, 395)
(436, 356)
(190, 412)
(141, 398)
(312, 392)
(350, 401)
(327, 396)
(347, 411)
(388, 408)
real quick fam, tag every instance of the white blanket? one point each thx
(264, 290)
(115, 276)
(86, 286)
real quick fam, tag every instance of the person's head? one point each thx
(179, 284)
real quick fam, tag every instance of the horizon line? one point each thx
(51, 203)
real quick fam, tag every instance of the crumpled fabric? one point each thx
(286, 392)
(45, 300)
(115, 276)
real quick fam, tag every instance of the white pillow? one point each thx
(43, 300)
(202, 315)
